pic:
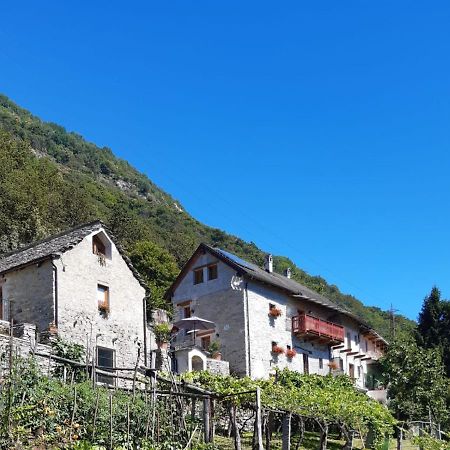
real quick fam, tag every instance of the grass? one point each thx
(310, 442)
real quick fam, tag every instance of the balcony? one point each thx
(310, 327)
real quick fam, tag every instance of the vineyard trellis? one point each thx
(148, 409)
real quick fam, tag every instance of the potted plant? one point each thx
(162, 334)
(103, 309)
(214, 349)
(274, 312)
(291, 353)
(277, 349)
(333, 365)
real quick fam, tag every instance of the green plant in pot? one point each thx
(214, 349)
(162, 334)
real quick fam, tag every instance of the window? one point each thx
(186, 312)
(98, 247)
(305, 364)
(198, 276)
(212, 272)
(320, 363)
(359, 371)
(351, 371)
(357, 339)
(106, 363)
(206, 340)
(103, 299)
(349, 340)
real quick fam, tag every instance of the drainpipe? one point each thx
(144, 305)
(55, 280)
(247, 325)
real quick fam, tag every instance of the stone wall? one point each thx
(30, 291)
(218, 367)
(79, 320)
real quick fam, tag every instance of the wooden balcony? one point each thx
(309, 327)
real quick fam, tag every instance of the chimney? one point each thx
(288, 272)
(268, 263)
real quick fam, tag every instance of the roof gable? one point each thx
(54, 246)
(254, 272)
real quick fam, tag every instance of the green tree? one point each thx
(417, 385)
(430, 319)
(157, 266)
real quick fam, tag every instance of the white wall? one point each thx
(221, 301)
(79, 320)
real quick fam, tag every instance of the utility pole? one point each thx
(392, 312)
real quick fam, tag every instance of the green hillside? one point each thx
(52, 179)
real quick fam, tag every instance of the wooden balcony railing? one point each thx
(305, 325)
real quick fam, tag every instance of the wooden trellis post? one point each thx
(259, 436)
(286, 445)
(206, 419)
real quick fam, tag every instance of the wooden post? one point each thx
(235, 428)
(206, 421)
(95, 415)
(213, 423)
(259, 437)
(73, 412)
(110, 421)
(400, 438)
(286, 443)
(269, 426)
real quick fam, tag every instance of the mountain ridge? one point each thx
(106, 187)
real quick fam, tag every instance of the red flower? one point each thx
(291, 353)
(277, 349)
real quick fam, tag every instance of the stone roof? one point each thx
(54, 246)
(254, 272)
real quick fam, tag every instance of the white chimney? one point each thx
(268, 263)
(288, 272)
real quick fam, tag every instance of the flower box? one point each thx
(291, 353)
(277, 349)
(275, 312)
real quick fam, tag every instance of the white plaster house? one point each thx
(80, 285)
(244, 300)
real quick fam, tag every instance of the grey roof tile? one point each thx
(56, 245)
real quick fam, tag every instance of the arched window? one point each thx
(197, 364)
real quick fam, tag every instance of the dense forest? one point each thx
(52, 179)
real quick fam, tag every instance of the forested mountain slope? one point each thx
(51, 179)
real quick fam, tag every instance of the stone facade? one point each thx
(29, 292)
(239, 306)
(220, 301)
(62, 291)
(78, 317)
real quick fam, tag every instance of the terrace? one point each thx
(310, 327)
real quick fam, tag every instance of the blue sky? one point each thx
(318, 130)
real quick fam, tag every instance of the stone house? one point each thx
(266, 320)
(80, 286)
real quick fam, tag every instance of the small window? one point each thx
(349, 340)
(98, 247)
(288, 347)
(320, 363)
(206, 341)
(198, 276)
(106, 363)
(212, 272)
(103, 299)
(186, 312)
(359, 371)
